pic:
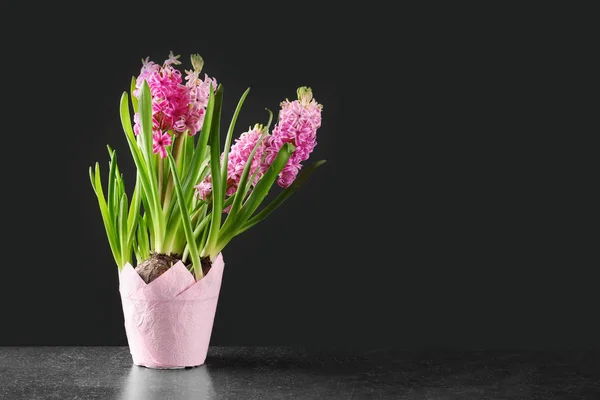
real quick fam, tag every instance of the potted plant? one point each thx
(190, 199)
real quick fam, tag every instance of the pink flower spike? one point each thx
(159, 141)
(204, 188)
(298, 123)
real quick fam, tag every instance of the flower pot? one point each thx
(168, 322)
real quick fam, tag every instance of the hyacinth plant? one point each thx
(191, 198)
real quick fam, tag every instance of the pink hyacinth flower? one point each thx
(298, 123)
(238, 156)
(204, 188)
(159, 142)
(176, 107)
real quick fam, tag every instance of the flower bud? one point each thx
(197, 62)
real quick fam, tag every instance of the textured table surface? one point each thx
(69, 373)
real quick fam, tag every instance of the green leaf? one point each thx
(122, 228)
(105, 213)
(145, 113)
(113, 200)
(148, 182)
(181, 140)
(240, 194)
(119, 191)
(185, 219)
(268, 126)
(201, 223)
(257, 195)
(136, 251)
(252, 179)
(228, 139)
(191, 178)
(282, 197)
(134, 210)
(132, 88)
(143, 238)
(204, 237)
(92, 180)
(188, 153)
(218, 191)
(174, 215)
(148, 219)
(197, 206)
(266, 182)
(199, 159)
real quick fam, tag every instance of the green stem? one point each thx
(177, 151)
(161, 173)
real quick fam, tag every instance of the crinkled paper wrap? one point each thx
(169, 321)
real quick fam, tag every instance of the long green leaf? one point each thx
(282, 197)
(174, 212)
(204, 237)
(173, 235)
(247, 185)
(197, 206)
(105, 213)
(192, 176)
(136, 152)
(240, 194)
(148, 219)
(143, 238)
(181, 140)
(188, 153)
(122, 228)
(256, 197)
(203, 220)
(148, 182)
(112, 198)
(132, 88)
(185, 219)
(145, 113)
(228, 139)
(119, 192)
(134, 209)
(265, 183)
(136, 251)
(218, 191)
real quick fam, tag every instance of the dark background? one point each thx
(448, 213)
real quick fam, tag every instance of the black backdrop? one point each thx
(440, 218)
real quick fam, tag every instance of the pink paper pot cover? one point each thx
(169, 321)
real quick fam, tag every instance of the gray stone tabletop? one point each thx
(72, 373)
